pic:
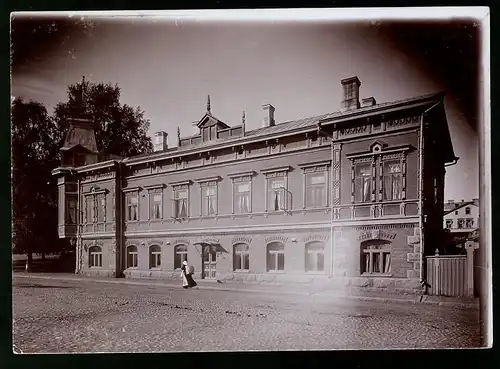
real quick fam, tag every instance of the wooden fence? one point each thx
(447, 275)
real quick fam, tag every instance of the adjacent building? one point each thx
(341, 197)
(461, 216)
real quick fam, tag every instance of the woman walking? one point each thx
(187, 276)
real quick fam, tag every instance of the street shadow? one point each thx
(59, 263)
(33, 285)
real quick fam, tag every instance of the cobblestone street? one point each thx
(76, 316)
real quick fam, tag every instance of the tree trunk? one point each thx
(29, 262)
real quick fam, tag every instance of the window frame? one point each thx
(93, 255)
(449, 221)
(323, 167)
(381, 248)
(153, 191)
(241, 254)
(308, 250)
(71, 198)
(238, 179)
(271, 175)
(276, 253)
(461, 223)
(177, 188)
(467, 210)
(206, 183)
(400, 162)
(129, 195)
(132, 253)
(176, 252)
(155, 257)
(469, 223)
(371, 180)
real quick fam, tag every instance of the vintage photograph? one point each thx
(250, 180)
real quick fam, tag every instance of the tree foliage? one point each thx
(36, 141)
(121, 130)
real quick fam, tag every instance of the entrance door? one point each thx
(209, 262)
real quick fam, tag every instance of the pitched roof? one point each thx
(450, 207)
(309, 122)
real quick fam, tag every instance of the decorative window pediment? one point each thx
(180, 185)
(319, 166)
(132, 189)
(276, 172)
(208, 181)
(242, 176)
(152, 188)
(379, 148)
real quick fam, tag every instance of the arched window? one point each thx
(154, 256)
(275, 257)
(95, 257)
(241, 257)
(315, 256)
(180, 255)
(376, 257)
(132, 261)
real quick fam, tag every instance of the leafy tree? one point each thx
(121, 130)
(34, 199)
(36, 142)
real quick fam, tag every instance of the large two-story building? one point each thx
(342, 197)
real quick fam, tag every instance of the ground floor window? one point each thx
(154, 256)
(275, 257)
(375, 257)
(241, 257)
(95, 257)
(180, 255)
(315, 257)
(132, 261)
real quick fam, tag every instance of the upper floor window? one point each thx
(316, 189)
(209, 199)
(181, 201)
(467, 211)
(276, 193)
(469, 223)
(392, 180)
(71, 209)
(132, 206)
(89, 209)
(156, 205)
(242, 191)
(460, 223)
(101, 208)
(449, 223)
(362, 182)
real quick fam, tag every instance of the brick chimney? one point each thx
(350, 88)
(160, 142)
(268, 117)
(368, 101)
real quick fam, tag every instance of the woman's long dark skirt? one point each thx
(191, 282)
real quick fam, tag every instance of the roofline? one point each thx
(343, 117)
(459, 207)
(97, 166)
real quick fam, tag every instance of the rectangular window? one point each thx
(156, 205)
(449, 223)
(392, 181)
(461, 223)
(101, 209)
(316, 190)
(206, 134)
(213, 133)
(376, 260)
(241, 259)
(209, 200)
(71, 209)
(469, 223)
(362, 182)
(467, 211)
(241, 191)
(276, 199)
(181, 203)
(89, 209)
(276, 261)
(132, 207)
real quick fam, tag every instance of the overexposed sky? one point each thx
(169, 67)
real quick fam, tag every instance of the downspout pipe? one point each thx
(78, 250)
(421, 192)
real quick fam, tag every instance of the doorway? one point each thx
(209, 262)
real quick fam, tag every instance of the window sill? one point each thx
(276, 271)
(155, 268)
(95, 267)
(132, 268)
(376, 274)
(242, 270)
(132, 221)
(315, 272)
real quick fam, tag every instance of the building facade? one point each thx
(461, 216)
(341, 197)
